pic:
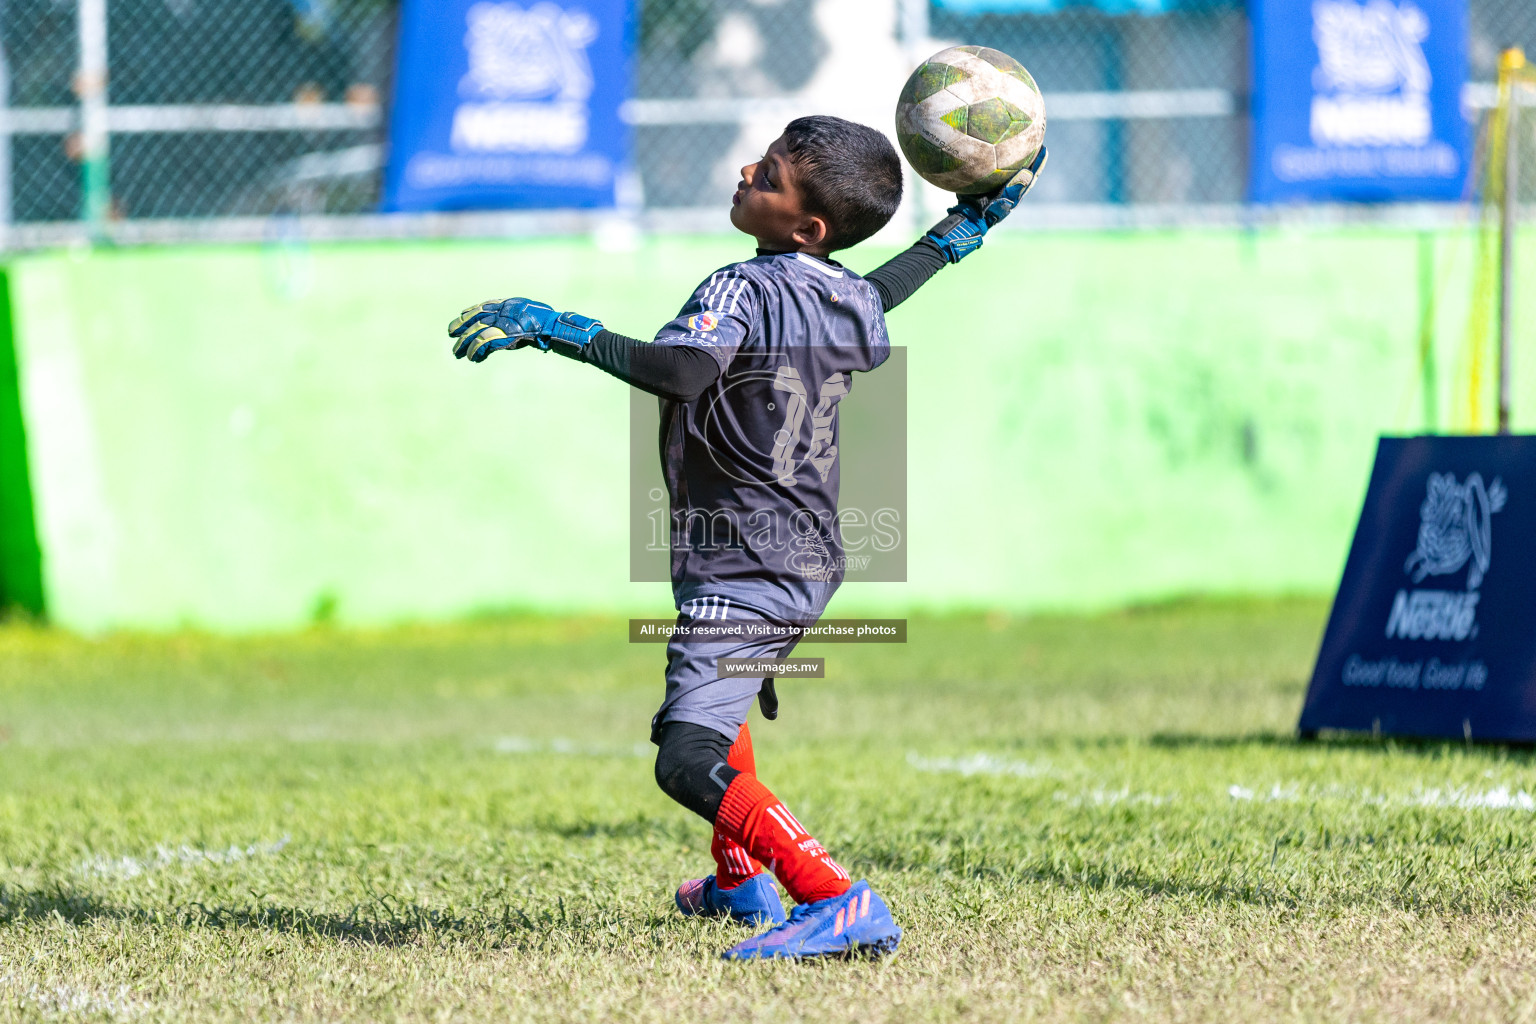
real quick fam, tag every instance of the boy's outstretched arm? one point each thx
(951, 239)
(679, 373)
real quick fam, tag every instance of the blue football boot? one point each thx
(754, 902)
(857, 922)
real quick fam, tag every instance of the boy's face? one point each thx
(768, 205)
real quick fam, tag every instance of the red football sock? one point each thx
(733, 864)
(756, 819)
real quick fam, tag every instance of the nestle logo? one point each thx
(1433, 615)
(1455, 532)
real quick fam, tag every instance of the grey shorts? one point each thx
(695, 691)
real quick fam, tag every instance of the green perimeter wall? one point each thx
(250, 438)
(21, 583)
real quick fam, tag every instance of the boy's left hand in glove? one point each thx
(960, 234)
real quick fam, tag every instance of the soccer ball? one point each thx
(969, 119)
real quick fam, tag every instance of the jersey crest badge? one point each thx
(705, 321)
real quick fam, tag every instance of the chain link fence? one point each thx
(1187, 144)
(216, 109)
(225, 109)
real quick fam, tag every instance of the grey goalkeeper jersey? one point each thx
(751, 465)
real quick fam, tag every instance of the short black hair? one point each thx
(848, 173)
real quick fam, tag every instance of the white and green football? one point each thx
(970, 118)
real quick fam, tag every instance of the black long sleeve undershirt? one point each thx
(678, 373)
(901, 275)
(681, 373)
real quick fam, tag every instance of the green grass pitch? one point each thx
(1075, 818)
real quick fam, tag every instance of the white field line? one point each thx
(979, 764)
(168, 856)
(1500, 798)
(68, 1001)
(1277, 793)
(1112, 798)
(569, 748)
(990, 764)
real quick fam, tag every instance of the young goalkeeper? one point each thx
(749, 375)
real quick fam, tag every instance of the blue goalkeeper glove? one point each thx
(517, 323)
(960, 234)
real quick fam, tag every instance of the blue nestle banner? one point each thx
(973, 7)
(1433, 632)
(1359, 101)
(508, 105)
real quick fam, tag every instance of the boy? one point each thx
(749, 374)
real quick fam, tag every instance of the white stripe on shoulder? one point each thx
(735, 297)
(717, 284)
(813, 261)
(720, 285)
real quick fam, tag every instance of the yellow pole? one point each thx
(1511, 63)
